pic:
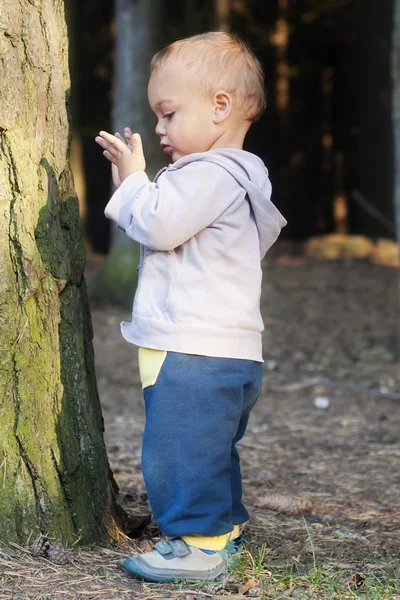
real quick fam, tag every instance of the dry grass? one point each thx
(318, 563)
(324, 322)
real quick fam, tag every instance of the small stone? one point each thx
(321, 402)
(255, 592)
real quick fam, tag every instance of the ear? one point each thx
(222, 105)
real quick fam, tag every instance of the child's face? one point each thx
(185, 117)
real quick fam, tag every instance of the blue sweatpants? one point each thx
(195, 414)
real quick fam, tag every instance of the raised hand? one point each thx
(126, 158)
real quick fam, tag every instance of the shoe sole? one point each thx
(133, 569)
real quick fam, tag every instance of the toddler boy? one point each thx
(203, 224)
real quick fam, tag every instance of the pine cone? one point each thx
(40, 546)
(283, 503)
(53, 551)
(57, 554)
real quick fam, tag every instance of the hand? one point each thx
(114, 169)
(125, 158)
(127, 139)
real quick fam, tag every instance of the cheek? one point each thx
(172, 132)
(178, 130)
(204, 123)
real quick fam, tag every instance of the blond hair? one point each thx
(221, 61)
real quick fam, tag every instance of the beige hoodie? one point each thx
(204, 225)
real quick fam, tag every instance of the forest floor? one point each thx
(321, 457)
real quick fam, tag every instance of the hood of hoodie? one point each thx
(251, 173)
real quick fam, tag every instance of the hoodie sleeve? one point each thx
(165, 214)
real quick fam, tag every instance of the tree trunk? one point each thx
(52, 455)
(139, 27)
(222, 9)
(396, 135)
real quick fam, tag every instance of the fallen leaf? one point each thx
(355, 582)
(252, 583)
(145, 545)
(358, 580)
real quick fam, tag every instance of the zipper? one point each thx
(160, 172)
(141, 256)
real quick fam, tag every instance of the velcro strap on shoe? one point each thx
(163, 547)
(179, 547)
(173, 547)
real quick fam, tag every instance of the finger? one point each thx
(107, 136)
(99, 140)
(137, 147)
(119, 136)
(107, 146)
(125, 141)
(128, 137)
(115, 175)
(109, 157)
(111, 139)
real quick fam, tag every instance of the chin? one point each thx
(177, 155)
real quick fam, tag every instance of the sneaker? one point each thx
(173, 560)
(231, 552)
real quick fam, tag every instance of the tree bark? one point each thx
(53, 463)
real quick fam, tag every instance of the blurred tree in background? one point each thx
(91, 36)
(396, 135)
(326, 136)
(133, 53)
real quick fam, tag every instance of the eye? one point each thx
(168, 115)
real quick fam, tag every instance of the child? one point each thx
(203, 225)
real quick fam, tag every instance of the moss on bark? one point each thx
(53, 463)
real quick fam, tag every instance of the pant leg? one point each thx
(192, 416)
(239, 512)
(251, 392)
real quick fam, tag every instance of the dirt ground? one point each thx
(325, 429)
(329, 332)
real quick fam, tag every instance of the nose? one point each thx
(160, 129)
